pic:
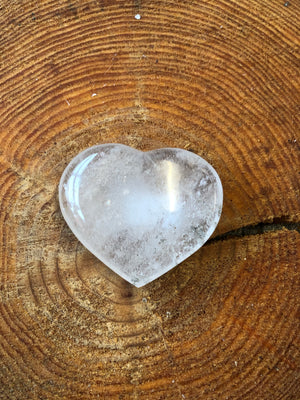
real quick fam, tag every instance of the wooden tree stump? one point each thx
(219, 78)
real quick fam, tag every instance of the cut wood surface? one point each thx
(219, 78)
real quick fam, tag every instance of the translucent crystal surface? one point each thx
(141, 213)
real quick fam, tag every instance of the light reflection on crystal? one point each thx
(73, 186)
(173, 178)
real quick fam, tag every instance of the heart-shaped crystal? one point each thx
(141, 213)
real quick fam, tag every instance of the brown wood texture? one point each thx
(219, 78)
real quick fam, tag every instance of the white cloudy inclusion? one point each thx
(141, 213)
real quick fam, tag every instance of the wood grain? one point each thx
(219, 78)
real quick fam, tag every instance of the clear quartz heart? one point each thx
(141, 213)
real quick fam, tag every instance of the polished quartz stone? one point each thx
(140, 213)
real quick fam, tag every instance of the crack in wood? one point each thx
(277, 224)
